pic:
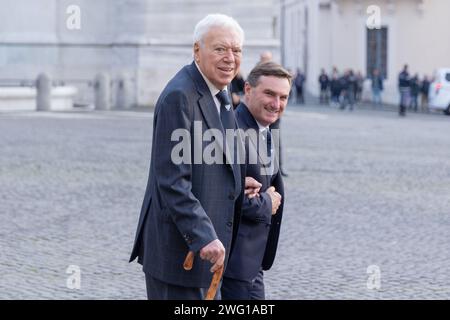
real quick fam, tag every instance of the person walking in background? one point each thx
(335, 71)
(377, 87)
(335, 89)
(292, 89)
(237, 89)
(348, 86)
(424, 89)
(415, 90)
(265, 56)
(324, 83)
(298, 82)
(404, 89)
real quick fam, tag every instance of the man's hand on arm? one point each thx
(276, 199)
(252, 187)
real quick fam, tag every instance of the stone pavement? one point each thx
(365, 190)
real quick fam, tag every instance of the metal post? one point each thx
(102, 92)
(123, 93)
(43, 92)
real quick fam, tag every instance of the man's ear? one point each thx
(196, 51)
(247, 88)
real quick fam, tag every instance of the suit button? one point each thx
(187, 238)
(229, 223)
(231, 196)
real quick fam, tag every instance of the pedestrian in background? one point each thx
(298, 82)
(377, 87)
(335, 89)
(415, 90)
(324, 83)
(237, 89)
(404, 89)
(424, 89)
(348, 86)
(265, 56)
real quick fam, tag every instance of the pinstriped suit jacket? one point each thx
(186, 206)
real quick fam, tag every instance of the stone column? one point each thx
(43, 92)
(102, 92)
(123, 92)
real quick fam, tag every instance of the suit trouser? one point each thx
(233, 289)
(159, 290)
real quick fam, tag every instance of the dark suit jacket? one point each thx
(257, 238)
(186, 206)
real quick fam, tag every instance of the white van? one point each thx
(439, 94)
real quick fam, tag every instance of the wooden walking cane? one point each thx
(212, 290)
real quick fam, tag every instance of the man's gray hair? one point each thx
(217, 20)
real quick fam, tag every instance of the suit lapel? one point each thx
(251, 124)
(211, 116)
(206, 101)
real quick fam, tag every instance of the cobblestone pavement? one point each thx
(364, 189)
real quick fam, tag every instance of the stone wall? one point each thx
(145, 40)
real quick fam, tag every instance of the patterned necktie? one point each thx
(226, 115)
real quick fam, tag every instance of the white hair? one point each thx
(217, 20)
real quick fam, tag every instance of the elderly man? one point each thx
(193, 205)
(266, 96)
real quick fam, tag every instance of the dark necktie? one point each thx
(268, 137)
(267, 155)
(226, 115)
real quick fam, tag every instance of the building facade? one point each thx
(142, 41)
(363, 34)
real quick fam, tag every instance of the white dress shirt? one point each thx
(212, 88)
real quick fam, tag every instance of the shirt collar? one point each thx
(261, 127)
(212, 88)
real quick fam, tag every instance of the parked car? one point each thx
(439, 92)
